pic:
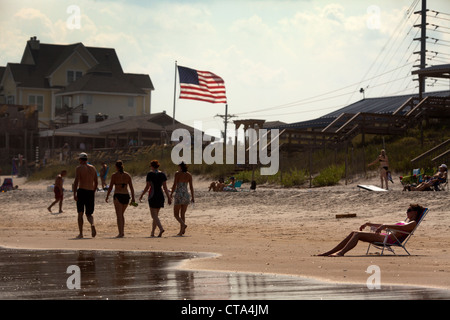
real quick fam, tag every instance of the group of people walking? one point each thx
(86, 183)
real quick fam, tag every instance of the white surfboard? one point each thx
(370, 187)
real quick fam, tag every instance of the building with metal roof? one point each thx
(380, 105)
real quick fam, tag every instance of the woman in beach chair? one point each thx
(403, 228)
(433, 182)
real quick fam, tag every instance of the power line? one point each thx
(409, 12)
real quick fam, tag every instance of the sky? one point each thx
(282, 60)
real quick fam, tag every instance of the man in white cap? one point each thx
(84, 188)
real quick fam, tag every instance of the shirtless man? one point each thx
(84, 188)
(59, 191)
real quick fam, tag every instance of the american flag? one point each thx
(201, 85)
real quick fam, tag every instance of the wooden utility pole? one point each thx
(423, 45)
(226, 118)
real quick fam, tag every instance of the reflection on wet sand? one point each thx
(42, 274)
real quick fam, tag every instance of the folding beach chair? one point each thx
(238, 185)
(417, 173)
(402, 244)
(441, 185)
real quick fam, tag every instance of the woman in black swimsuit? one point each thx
(156, 182)
(384, 168)
(120, 180)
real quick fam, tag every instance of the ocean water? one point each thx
(117, 275)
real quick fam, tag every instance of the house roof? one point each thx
(2, 72)
(155, 122)
(102, 82)
(381, 105)
(46, 58)
(439, 71)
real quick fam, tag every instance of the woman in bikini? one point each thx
(384, 167)
(413, 215)
(121, 180)
(182, 198)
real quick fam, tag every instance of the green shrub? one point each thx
(329, 176)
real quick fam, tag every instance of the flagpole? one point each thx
(174, 94)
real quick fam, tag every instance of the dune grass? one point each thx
(328, 166)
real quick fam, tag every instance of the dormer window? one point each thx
(73, 76)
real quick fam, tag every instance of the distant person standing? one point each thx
(84, 188)
(59, 191)
(182, 198)
(103, 174)
(383, 161)
(156, 182)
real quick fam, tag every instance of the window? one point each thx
(88, 99)
(38, 101)
(10, 99)
(131, 101)
(73, 76)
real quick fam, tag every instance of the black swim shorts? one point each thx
(86, 200)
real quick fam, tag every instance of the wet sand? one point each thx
(119, 275)
(273, 231)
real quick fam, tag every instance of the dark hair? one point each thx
(154, 164)
(119, 165)
(183, 166)
(419, 209)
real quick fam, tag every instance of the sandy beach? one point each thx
(270, 230)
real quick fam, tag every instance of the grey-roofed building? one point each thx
(73, 83)
(381, 105)
(115, 132)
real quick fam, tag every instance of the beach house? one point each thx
(73, 83)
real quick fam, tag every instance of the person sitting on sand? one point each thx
(413, 215)
(212, 186)
(217, 186)
(59, 191)
(439, 177)
(231, 185)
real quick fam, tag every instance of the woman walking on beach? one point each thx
(121, 180)
(156, 182)
(182, 198)
(382, 159)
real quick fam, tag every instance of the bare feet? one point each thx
(80, 236)
(182, 230)
(336, 255)
(93, 231)
(160, 233)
